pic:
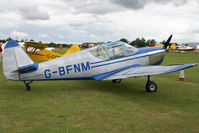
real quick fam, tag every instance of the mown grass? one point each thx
(60, 51)
(100, 106)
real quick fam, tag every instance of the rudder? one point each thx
(16, 60)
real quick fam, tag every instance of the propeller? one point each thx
(168, 42)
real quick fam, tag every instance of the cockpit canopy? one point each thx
(113, 50)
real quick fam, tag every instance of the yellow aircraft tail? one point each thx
(74, 48)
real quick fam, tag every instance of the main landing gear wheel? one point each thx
(151, 86)
(28, 88)
(116, 80)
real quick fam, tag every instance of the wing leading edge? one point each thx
(147, 70)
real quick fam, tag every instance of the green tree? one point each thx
(9, 39)
(152, 41)
(139, 42)
(3, 41)
(124, 40)
(163, 42)
(52, 44)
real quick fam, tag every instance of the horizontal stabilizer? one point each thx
(28, 68)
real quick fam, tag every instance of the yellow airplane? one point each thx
(38, 51)
(173, 46)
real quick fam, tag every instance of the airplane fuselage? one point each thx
(83, 65)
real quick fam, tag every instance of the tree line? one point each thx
(138, 42)
(141, 42)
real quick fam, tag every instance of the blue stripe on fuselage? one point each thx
(149, 49)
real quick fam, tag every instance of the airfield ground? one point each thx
(100, 106)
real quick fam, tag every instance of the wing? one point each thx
(146, 70)
(35, 45)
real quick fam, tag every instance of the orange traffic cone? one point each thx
(182, 76)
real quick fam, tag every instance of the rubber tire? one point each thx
(28, 88)
(151, 87)
(116, 80)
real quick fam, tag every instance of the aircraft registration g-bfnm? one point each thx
(111, 61)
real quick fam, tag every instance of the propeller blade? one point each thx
(168, 42)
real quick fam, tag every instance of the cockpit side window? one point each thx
(99, 52)
(115, 51)
(38, 50)
(30, 49)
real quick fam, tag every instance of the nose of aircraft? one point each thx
(166, 50)
(157, 56)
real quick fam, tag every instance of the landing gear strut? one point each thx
(28, 88)
(116, 80)
(151, 86)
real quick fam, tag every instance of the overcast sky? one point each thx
(77, 21)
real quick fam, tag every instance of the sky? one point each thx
(78, 21)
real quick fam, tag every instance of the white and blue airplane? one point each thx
(111, 61)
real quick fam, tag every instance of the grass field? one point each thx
(100, 106)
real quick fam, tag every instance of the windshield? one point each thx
(130, 49)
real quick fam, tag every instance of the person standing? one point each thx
(1, 50)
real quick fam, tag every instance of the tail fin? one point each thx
(73, 49)
(15, 60)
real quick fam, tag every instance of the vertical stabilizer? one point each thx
(15, 60)
(74, 48)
